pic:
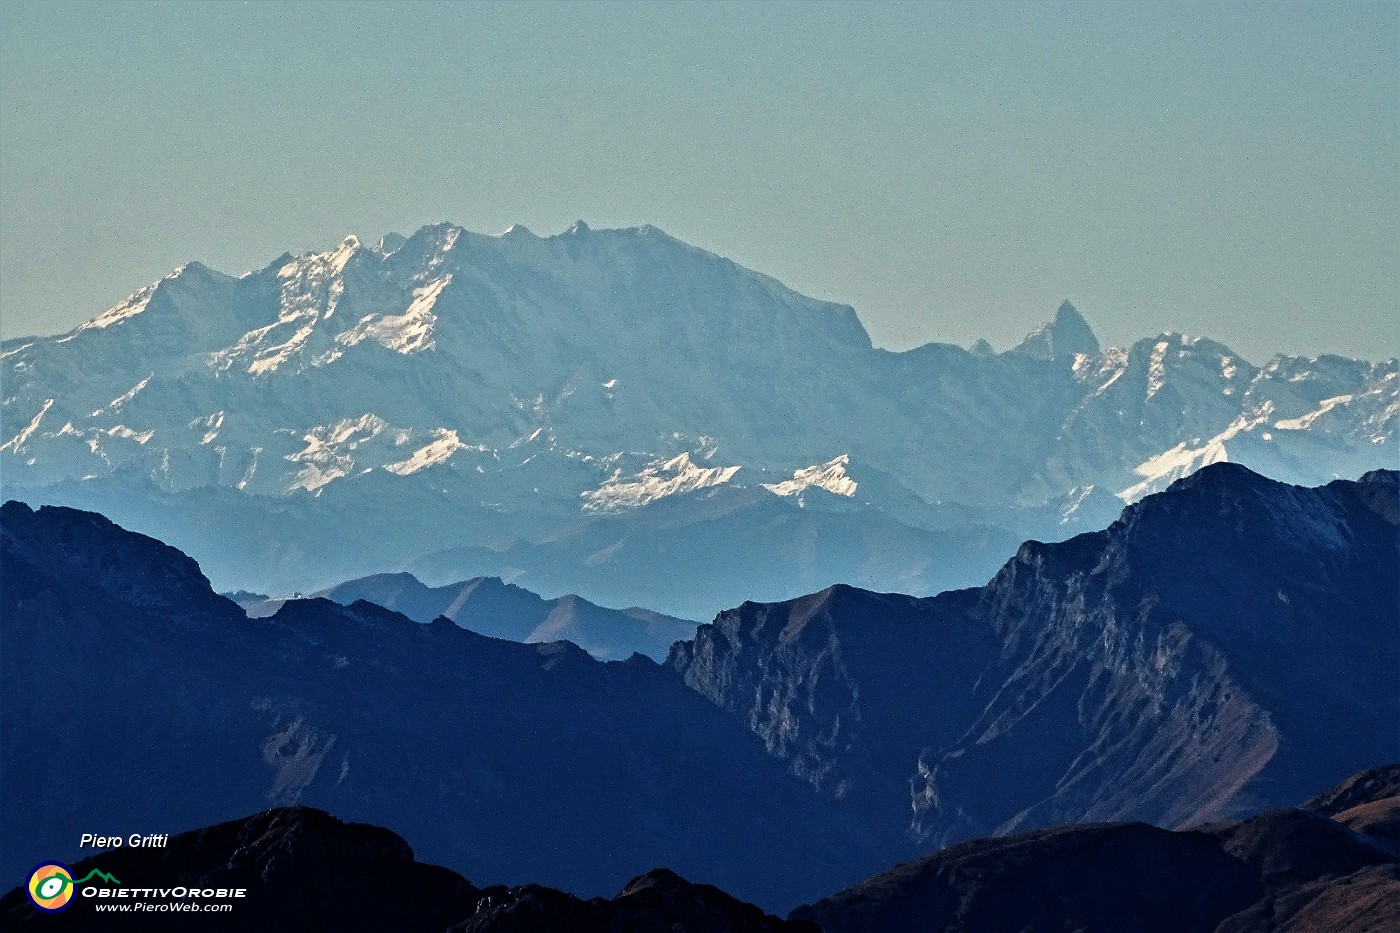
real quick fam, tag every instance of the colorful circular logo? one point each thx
(51, 886)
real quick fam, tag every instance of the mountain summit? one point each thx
(1062, 338)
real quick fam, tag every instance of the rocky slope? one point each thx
(451, 390)
(1192, 661)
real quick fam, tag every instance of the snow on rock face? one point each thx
(132, 306)
(131, 434)
(328, 448)
(1100, 369)
(117, 403)
(404, 333)
(1073, 502)
(830, 476)
(309, 291)
(1306, 421)
(656, 481)
(444, 445)
(210, 426)
(1182, 460)
(14, 444)
(360, 445)
(1157, 371)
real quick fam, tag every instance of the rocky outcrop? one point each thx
(133, 570)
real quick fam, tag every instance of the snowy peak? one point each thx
(1068, 334)
(830, 476)
(306, 312)
(656, 481)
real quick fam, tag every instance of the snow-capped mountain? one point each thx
(511, 386)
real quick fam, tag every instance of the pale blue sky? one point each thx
(950, 170)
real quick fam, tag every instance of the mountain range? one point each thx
(492, 607)
(1224, 647)
(544, 409)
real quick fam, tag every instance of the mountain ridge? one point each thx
(493, 607)
(1114, 637)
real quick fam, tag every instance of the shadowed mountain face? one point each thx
(302, 869)
(367, 407)
(1192, 661)
(491, 607)
(136, 698)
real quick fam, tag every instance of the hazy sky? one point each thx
(952, 171)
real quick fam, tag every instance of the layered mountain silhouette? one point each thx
(1284, 871)
(1194, 661)
(135, 695)
(526, 402)
(692, 554)
(492, 607)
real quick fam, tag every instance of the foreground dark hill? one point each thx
(137, 699)
(1284, 871)
(492, 607)
(1225, 646)
(304, 870)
